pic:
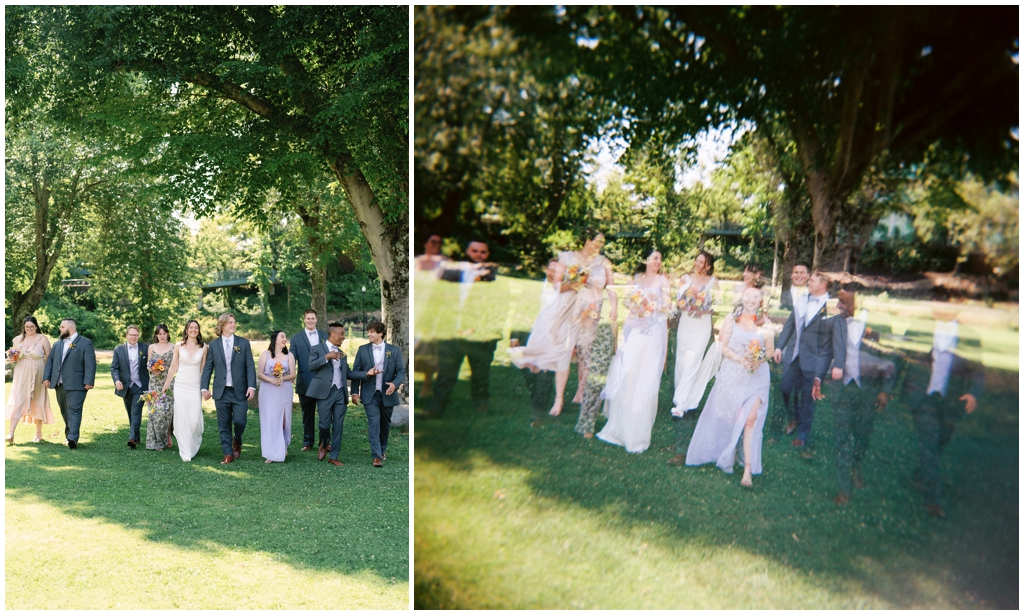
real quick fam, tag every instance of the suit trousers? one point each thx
(378, 421)
(450, 356)
(332, 411)
(935, 418)
(789, 386)
(71, 403)
(795, 380)
(231, 411)
(133, 406)
(853, 415)
(309, 423)
(542, 388)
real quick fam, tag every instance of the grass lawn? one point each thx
(115, 528)
(513, 517)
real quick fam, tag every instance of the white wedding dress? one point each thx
(692, 373)
(188, 403)
(631, 393)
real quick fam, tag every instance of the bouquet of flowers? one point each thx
(755, 353)
(640, 305)
(576, 274)
(156, 398)
(278, 370)
(156, 366)
(694, 302)
(13, 355)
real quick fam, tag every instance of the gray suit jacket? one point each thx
(394, 372)
(323, 373)
(77, 370)
(301, 348)
(121, 368)
(243, 370)
(822, 343)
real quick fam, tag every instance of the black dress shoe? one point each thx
(131, 444)
(72, 444)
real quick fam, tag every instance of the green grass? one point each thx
(120, 529)
(512, 517)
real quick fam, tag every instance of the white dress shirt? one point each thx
(943, 344)
(378, 363)
(313, 337)
(133, 365)
(336, 380)
(229, 350)
(854, 335)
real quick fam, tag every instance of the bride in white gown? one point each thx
(631, 394)
(738, 402)
(183, 376)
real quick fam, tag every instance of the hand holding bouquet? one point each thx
(576, 274)
(640, 305)
(695, 302)
(13, 355)
(156, 366)
(754, 356)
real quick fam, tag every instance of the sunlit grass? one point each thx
(141, 529)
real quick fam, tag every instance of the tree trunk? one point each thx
(389, 248)
(318, 284)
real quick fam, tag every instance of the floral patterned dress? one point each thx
(162, 411)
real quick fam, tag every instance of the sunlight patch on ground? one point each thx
(485, 540)
(102, 555)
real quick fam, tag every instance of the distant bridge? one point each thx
(221, 279)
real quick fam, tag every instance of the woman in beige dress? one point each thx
(28, 400)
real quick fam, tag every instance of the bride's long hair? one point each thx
(199, 336)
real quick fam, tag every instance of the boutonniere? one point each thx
(237, 349)
(72, 346)
(387, 354)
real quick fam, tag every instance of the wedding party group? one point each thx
(173, 380)
(824, 348)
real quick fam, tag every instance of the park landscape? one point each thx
(838, 137)
(174, 163)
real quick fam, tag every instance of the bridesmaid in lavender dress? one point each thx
(277, 371)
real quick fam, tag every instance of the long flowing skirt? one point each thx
(631, 395)
(275, 419)
(188, 413)
(690, 379)
(725, 414)
(552, 338)
(28, 398)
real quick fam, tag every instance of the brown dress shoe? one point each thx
(842, 498)
(377, 463)
(307, 448)
(797, 442)
(936, 511)
(335, 462)
(236, 449)
(227, 459)
(132, 444)
(321, 454)
(790, 428)
(677, 460)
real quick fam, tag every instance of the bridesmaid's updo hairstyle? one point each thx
(273, 342)
(156, 333)
(199, 337)
(708, 260)
(29, 319)
(642, 267)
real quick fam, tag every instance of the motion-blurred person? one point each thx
(431, 258)
(602, 349)
(867, 385)
(954, 386)
(753, 277)
(463, 324)
(540, 383)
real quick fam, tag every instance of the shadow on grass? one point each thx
(345, 520)
(882, 540)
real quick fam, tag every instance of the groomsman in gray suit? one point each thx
(230, 357)
(328, 386)
(302, 343)
(131, 379)
(71, 371)
(808, 344)
(378, 371)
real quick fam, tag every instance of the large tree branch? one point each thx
(232, 91)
